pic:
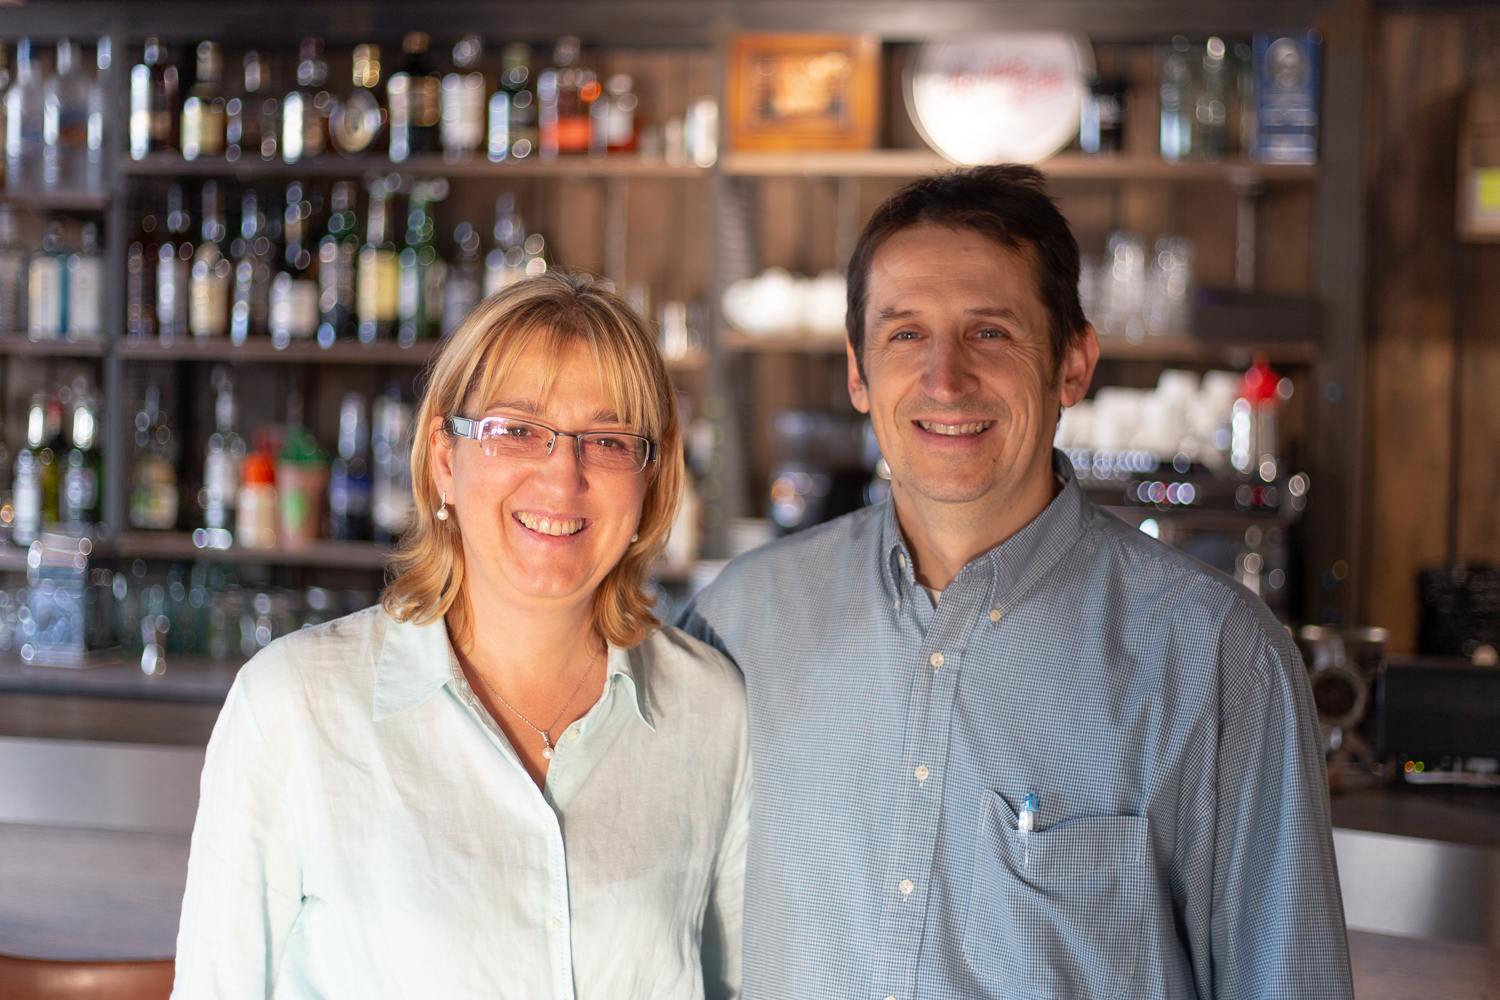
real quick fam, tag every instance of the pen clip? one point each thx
(1026, 824)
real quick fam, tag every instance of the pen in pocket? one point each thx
(1025, 824)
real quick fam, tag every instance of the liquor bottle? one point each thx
(391, 444)
(377, 274)
(173, 271)
(26, 484)
(355, 123)
(250, 119)
(203, 113)
(419, 308)
(4, 90)
(463, 104)
(349, 485)
(415, 101)
(612, 118)
(304, 111)
(564, 96)
(1211, 103)
(507, 261)
(13, 277)
(336, 261)
(83, 466)
(512, 132)
(153, 493)
(250, 310)
(212, 275)
(24, 116)
(86, 287)
(153, 96)
(47, 287)
(98, 119)
(462, 291)
(52, 455)
(294, 291)
(221, 466)
(65, 121)
(141, 261)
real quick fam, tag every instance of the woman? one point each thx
(506, 780)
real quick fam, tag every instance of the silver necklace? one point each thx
(546, 739)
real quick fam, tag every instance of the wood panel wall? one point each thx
(1434, 349)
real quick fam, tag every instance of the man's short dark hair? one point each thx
(1007, 203)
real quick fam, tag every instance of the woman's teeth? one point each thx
(955, 430)
(547, 526)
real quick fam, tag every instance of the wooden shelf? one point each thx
(263, 350)
(1179, 349)
(57, 201)
(423, 165)
(1065, 166)
(176, 545)
(19, 343)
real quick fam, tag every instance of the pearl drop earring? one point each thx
(636, 537)
(442, 511)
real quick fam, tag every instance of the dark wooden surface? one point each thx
(110, 720)
(1395, 968)
(1457, 816)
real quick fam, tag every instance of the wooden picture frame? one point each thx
(796, 91)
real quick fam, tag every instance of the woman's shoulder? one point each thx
(342, 652)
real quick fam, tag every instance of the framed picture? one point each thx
(789, 92)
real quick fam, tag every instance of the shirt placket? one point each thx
(924, 765)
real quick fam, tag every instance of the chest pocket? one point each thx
(1060, 917)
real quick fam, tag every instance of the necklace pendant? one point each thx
(547, 752)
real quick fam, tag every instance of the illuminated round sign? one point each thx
(1011, 98)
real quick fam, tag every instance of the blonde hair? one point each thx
(546, 313)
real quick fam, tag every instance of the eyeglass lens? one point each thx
(602, 450)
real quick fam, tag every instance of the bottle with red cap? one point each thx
(1252, 426)
(256, 513)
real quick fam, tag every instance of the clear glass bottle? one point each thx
(98, 116)
(336, 262)
(4, 90)
(86, 287)
(415, 100)
(507, 261)
(250, 310)
(52, 456)
(461, 292)
(463, 102)
(47, 287)
(212, 278)
(26, 482)
(349, 485)
(565, 94)
(513, 131)
(390, 440)
(173, 270)
(25, 114)
(304, 110)
(377, 275)
(294, 290)
(65, 121)
(203, 113)
(248, 115)
(221, 465)
(355, 123)
(13, 277)
(153, 98)
(83, 467)
(612, 117)
(153, 492)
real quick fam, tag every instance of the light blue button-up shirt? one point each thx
(1157, 711)
(365, 830)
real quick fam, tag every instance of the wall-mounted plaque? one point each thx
(803, 92)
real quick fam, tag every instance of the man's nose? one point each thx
(948, 375)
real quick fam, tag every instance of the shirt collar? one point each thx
(417, 660)
(1018, 561)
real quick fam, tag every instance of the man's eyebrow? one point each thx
(989, 312)
(889, 313)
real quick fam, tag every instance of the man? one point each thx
(1005, 745)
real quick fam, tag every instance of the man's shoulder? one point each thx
(805, 560)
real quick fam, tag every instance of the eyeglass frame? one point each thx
(471, 428)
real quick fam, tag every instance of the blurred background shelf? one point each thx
(919, 162)
(262, 349)
(178, 545)
(57, 201)
(20, 344)
(423, 165)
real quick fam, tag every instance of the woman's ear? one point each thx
(442, 457)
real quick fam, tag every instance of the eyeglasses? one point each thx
(603, 451)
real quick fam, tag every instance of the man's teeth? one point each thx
(546, 526)
(955, 430)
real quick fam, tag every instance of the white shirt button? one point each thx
(921, 772)
(936, 659)
(901, 558)
(906, 887)
(572, 734)
(994, 614)
(898, 604)
(555, 924)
